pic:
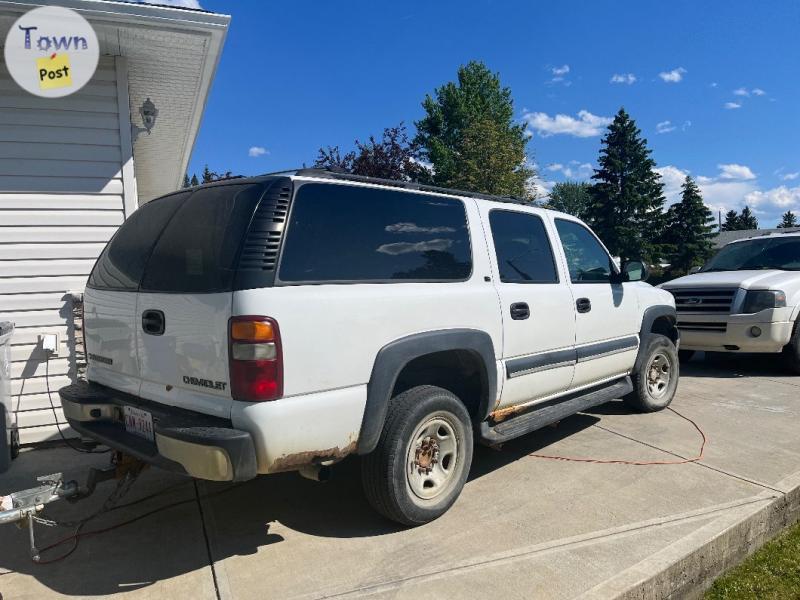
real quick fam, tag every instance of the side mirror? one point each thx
(635, 270)
(694, 270)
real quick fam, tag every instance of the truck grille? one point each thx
(707, 301)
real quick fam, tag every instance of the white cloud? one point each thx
(404, 227)
(586, 125)
(406, 247)
(782, 198)
(741, 92)
(627, 78)
(734, 171)
(559, 76)
(175, 3)
(732, 105)
(256, 151)
(665, 127)
(790, 176)
(672, 178)
(686, 125)
(713, 84)
(722, 194)
(673, 76)
(758, 92)
(574, 170)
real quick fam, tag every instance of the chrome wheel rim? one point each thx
(432, 458)
(659, 373)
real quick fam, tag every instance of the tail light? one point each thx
(256, 360)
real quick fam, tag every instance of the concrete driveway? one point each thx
(524, 527)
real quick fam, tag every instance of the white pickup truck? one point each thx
(745, 299)
(284, 322)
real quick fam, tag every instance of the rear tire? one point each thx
(685, 355)
(656, 379)
(791, 352)
(422, 459)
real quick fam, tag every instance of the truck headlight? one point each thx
(758, 300)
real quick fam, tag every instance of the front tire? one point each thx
(791, 352)
(422, 460)
(656, 379)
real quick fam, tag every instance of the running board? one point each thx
(552, 412)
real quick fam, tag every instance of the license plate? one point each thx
(138, 422)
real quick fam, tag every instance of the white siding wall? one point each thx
(66, 184)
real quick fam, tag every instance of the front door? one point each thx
(607, 324)
(537, 307)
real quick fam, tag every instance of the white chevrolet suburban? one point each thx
(745, 299)
(284, 322)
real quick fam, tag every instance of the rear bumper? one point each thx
(185, 442)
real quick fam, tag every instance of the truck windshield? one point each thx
(767, 253)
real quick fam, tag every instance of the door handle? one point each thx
(583, 305)
(153, 322)
(520, 311)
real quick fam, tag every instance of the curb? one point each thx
(688, 567)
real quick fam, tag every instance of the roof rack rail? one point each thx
(410, 185)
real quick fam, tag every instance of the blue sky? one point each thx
(713, 85)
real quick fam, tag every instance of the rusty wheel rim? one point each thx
(659, 373)
(432, 458)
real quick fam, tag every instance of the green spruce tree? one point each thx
(194, 180)
(627, 195)
(731, 221)
(747, 220)
(789, 219)
(469, 136)
(690, 227)
(186, 180)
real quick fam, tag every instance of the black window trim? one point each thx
(549, 244)
(611, 261)
(299, 184)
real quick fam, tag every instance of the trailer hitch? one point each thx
(22, 507)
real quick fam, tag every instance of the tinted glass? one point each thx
(587, 260)
(767, 253)
(348, 233)
(122, 262)
(523, 251)
(197, 251)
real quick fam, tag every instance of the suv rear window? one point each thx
(122, 262)
(198, 249)
(343, 233)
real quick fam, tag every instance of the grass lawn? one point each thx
(772, 572)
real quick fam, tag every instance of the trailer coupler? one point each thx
(23, 507)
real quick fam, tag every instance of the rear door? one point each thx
(110, 312)
(184, 302)
(536, 304)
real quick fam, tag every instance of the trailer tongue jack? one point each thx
(22, 507)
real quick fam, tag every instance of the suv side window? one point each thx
(347, 233)
(522, 248)
(122, 262)
(587, 260)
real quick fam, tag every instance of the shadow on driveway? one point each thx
(173, 543)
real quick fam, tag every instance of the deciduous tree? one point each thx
(571, 197)
(393, 157)
(470, 138)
